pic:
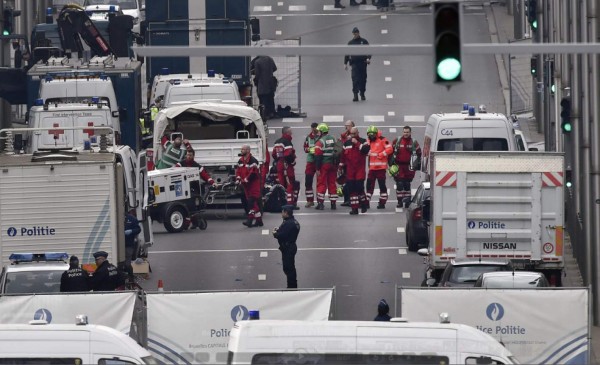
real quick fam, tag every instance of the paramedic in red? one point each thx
(402, 150)
(354, 158)
(248, 175)
(284, 156)
(309, 172)
(326, 167)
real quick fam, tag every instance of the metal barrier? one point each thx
(521, 87)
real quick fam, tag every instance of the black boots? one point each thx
(320, 206)
(354, 211)
(339, 6)
(362, 96)
(333, 207)
(353, 3)
(355, 94)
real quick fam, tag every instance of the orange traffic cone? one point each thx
(160, 285)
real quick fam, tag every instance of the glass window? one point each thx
(33, 282)
(40, 361)
(473, 144)
(469, 274)
(350, 359)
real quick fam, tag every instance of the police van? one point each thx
(468, 131)
(356, 342)
(34, 273)
(80, 343)
(189, 92)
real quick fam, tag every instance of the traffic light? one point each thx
(532, 14)
(569, 178)
(565, 116)
(8, 21)
(447, 42)
(534, 72)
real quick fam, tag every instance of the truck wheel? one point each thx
(202, 223)
(175, 219)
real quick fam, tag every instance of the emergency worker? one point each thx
(106, 277)
(132, 229)
(353, 161)
(343, 138)
(359, 66)
(189, 161)
(174, 151)
(378, 160)
(284, 156)
(402, 150)
(75, 279)
(287, 234)
(326, 169)
(309, 148)
(248, 176)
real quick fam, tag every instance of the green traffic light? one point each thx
(534, 24)
(553, 88)
(567, 127)
(569, 184)
(5, 32)
(449, 69)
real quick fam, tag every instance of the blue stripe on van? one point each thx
(170, 350)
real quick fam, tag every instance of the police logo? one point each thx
(43, 314)
(11, 231)
(239, 313)
(471, 224)
(495, 311)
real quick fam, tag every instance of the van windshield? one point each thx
(20, 282)
(195, 128)
(209, 92)
(473, 144)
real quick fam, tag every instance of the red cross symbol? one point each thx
(56, 132)
(89, 131)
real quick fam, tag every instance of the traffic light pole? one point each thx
(5, 107)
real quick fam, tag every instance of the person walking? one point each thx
(284, 156)
(326, 169)
(174, 151)
(106, 277)
(248, 175)
(359, 66)
(343, 138)
(287, 234)
(75, 279)
(403, 148)
(383, 310)
(378, 161)
(338, 5)
(354, 158)
(266, 83)
(309, 172)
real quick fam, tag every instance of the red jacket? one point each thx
(283, 150)
(248, 175)
(203, 173)
(354, 158)
(403, 150)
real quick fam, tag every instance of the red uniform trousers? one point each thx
(253, 197)
(355, 179)
(378, 175)
(325, 182)
(287, 178)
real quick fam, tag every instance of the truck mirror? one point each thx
(255, 29)
(423, 252)
(427, 210)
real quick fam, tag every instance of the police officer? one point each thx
(106, 277)
(383, 310)
(359, 66)
(286, 235)
(132, 229)
(75, 279)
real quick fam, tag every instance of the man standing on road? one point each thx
(359, 66)
(286, 235)
(309, 172)
(378, 161)
(248, 175)
(355, 154)
(106, 277)
(266, 83)
(326, 169)
(284, 156)
(75, 279)
(403, 148)
(343, 138)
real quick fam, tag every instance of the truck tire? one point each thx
(175, 219)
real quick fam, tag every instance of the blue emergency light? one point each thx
(49, 11)
(95, 99)
(465, 107)
(253, 315)
(164, 71)
(48, 78)
(38, 102)
(471, 111)
(103, 77)
(16, 258)
(112, 9)
(211, 73)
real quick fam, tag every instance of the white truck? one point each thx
(72, 201)
(497, 205)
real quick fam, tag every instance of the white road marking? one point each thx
(265, 232)
(263, 277)
(264, 254)
(384, 17)
(367, 7)
(393, 130)
(272, 131)
(388, 79)
(328, 210)
(402, 251)
(297, 8)
(279, 17)
(399, 210)
(391, 114)
(292, 120)
(262, 8)
(280, 3)
(386, 63)
(276, 249)
(330, 7)
(333, 119)
(277, 32)
(405, 275)
(414, 118)
(400, 229)
(374, 118)
(389, 96)
(384, 31)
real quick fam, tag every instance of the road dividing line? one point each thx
(279, 17)
(393, 130)
(400, 229)
(388, 79)
(280, 3)
(333, 119)
(262, 8)
(271, 131)
(330, 8)
(383, 17)
(297, 8)
(374, 118)
(384, 31)
(292, 120)
(263, 277)
(277, 32)
(264, 254)
(405, 275)
(414, 118)
(386, 63)
(389, 96)
(391, 114)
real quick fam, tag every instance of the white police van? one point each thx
(355, 342)
(33, 273)
(79, 343)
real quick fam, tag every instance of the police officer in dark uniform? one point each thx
(286, 235)
(106, 277)
(359, 66)
(75, 279)
(383, 310)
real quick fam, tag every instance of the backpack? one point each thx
(338, 150)
(275, 199)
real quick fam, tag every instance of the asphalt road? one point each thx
(364, 257)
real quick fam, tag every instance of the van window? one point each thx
(199, 128)
(473, 144)
(41, 361)
(310, 358)
(114, 361)
(76, 100)
(33, 282)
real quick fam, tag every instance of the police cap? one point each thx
(355, 30)
(101, 254)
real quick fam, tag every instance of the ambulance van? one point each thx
(77, 344)
(467, 131)
(356, 342)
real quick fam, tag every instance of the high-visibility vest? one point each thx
(378, 155)
(327, 144)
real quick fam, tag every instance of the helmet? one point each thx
(372, 130)
(393, 170)
(340, 191)
(323, 128)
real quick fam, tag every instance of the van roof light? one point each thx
(253, 315)
(471, 111)
(38, 102)
(81, 320)
(211, 73)
(164, 71)
(15, 258)
(482, 108)
(444, 317)
(112, 9)
(95, 99)
(465, 107)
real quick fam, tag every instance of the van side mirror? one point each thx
(533, 149)
(427, 209)
(255, 29)
(483, 360)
